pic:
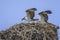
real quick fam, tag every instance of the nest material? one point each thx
(30, 31)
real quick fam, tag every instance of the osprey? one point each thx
(44, 16)
(30, 14)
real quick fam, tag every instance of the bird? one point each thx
(44, 16)
(30, 14)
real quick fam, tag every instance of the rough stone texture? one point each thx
(30, 31)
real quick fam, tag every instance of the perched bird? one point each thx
(44, 16)
(30, 14)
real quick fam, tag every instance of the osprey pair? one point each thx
(31, 14)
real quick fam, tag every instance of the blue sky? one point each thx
(11, 11)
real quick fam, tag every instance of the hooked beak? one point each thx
(23, 19)
(39, 13)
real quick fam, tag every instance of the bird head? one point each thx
(31, 10)
(45, 12)
(27, 10)
(48, 11)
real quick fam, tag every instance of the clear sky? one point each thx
(11, 11)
